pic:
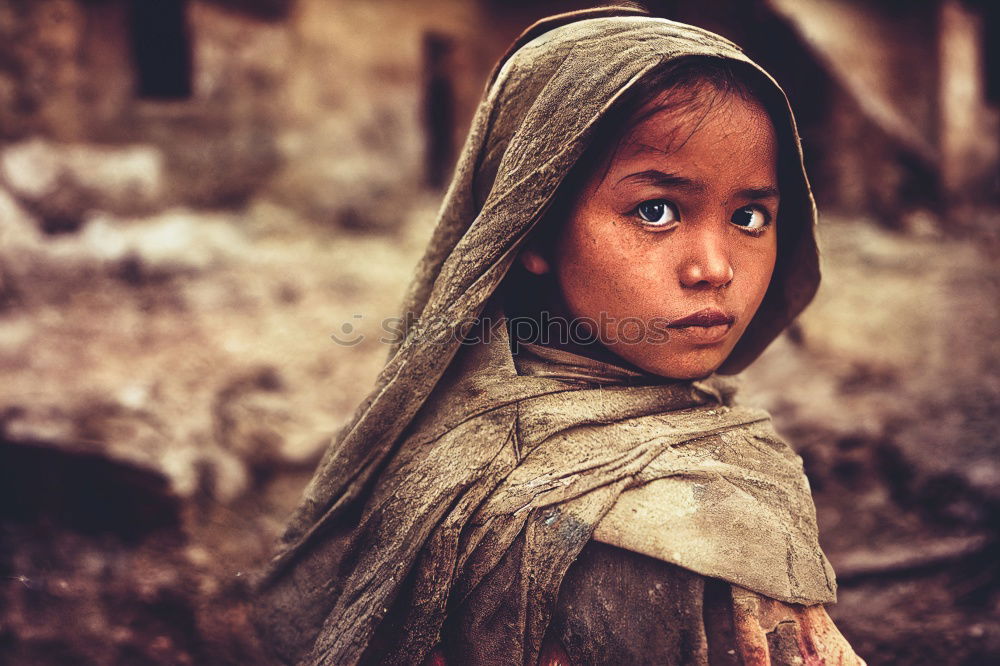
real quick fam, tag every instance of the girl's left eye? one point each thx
(751, 218)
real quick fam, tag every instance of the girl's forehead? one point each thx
(671, 123)
(708, 130)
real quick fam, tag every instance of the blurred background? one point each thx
(196, 194)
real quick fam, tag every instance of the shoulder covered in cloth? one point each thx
(711, 486)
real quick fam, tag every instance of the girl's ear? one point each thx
(534, 262)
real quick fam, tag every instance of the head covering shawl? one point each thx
(468, 481)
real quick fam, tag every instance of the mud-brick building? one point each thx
(327, 106)
(342, 109)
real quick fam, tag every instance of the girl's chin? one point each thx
(688, 363)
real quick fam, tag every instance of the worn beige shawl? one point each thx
(464, 484)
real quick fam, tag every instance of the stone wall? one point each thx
(318, 107)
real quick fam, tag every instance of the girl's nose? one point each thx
(706, 262)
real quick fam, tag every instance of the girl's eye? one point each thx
(751, 218)
(657, 213)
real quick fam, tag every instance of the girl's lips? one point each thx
(709, 317)
(706, 326)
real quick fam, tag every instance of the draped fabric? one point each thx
(469, 480)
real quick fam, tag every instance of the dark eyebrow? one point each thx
(757, 193)
(662, 179)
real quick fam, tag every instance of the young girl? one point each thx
(551, 468)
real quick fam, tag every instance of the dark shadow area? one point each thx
(162, 49)
(87, 493)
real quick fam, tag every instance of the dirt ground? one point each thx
(165, 400)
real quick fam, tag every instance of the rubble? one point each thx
(62, 182)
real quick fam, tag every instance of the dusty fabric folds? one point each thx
(464, 486)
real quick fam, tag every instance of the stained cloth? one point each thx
(620, 608)
(462, 486)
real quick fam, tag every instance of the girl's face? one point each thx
(669, 248)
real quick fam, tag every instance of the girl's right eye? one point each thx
(657, 213)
